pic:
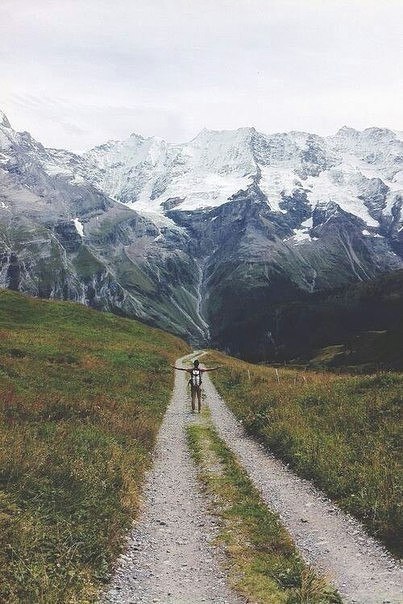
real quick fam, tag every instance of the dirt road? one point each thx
(170, 557)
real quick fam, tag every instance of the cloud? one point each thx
(76, 73)
(80, 126)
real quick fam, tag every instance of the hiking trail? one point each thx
(170, 557)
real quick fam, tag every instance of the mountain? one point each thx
(358, 326)
(62, 237)
(360, 171)
(202, 238)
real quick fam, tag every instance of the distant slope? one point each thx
(82, 395)
(363, 320)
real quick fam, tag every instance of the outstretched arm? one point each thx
(211, 368)
(179, 368)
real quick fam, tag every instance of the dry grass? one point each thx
(342, 432)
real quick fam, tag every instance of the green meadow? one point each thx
(82, 395)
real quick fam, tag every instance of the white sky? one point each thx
(76, 73)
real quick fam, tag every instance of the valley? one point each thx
(236, 239)
(201, 302)
(284, 249)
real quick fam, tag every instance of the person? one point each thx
(195, 382)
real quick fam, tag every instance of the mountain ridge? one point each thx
(273, 153)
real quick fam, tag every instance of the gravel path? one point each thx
(169, 556)
(329, 539)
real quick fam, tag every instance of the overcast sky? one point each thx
(76, 73)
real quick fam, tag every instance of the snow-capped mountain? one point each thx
(62, 237)
(360, 171)
(195, 237)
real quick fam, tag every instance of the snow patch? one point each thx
(334, 186)
(159, 220)
(301, 235)
(79, 226)
(276, 182)
(368, 234)
(307, 224)
(4, 158)
(78, 180)
(53, 169)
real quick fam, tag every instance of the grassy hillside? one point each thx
(342, 432)
(365, 352)
(82, 395)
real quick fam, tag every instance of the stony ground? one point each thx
(170, 556)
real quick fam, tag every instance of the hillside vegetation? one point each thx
(362, 322)
(82, 395)
(342, 432)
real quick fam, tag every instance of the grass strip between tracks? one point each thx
(262, 561)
